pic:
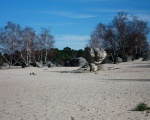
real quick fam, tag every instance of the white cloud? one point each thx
(69, 14)
(83, 16)
(77, 38)
(129, 11)
(107, 10)
(62, 24)
(53, 24)
(144, 16)
(72, 41)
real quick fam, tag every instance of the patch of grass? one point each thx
(141, 107)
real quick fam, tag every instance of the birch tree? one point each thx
(10, 41)
(45, 42)
(28, 38)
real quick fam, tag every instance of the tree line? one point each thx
(62, 56)
(23, 44)
(124, 36)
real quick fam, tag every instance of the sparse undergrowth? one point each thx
(142, 107)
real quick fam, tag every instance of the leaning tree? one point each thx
(10, 41)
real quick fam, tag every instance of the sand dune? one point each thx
(111, 94)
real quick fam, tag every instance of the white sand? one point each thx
(111, 94)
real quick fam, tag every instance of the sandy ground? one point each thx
(111, 94)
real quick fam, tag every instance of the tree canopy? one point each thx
(24, 44)
(125, 35)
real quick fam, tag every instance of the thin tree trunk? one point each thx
(24, 59)
(27, 59)
(17, 60)
(41, 55)
(6, 60)
(135, 49)
(45, 56)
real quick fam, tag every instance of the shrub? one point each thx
(141, 107)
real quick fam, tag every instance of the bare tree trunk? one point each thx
(45, 55)
(39, 58)
(27, 59)
(6, 60)
(135, 49)
(16, 61)
(41, 55)
(24, 59)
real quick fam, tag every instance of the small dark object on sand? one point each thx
(72, 118)
(23, 65)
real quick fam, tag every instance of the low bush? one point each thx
(141, 107)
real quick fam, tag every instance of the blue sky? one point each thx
(70, 21)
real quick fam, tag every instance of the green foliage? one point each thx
(141, 107)
(66, 54)
(80, 53)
